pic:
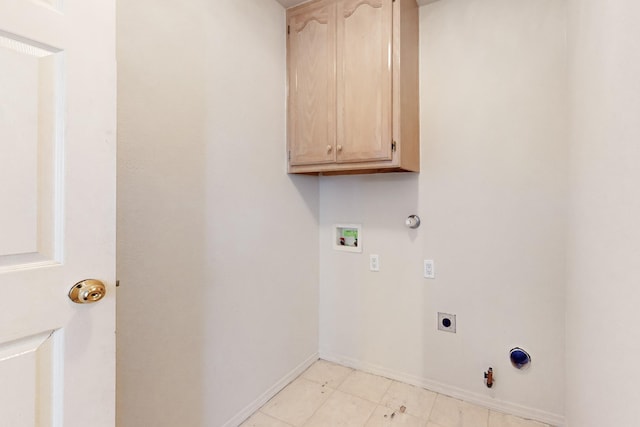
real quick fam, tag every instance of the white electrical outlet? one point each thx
(429, 269)
(447, 322)
(374, 262)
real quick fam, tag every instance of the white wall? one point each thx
(603, 295)
(492, 197)
(213, 312)
(217, 246)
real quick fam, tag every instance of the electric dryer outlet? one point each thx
(447, 322)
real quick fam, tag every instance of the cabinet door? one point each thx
(312, 87)
(364, 80)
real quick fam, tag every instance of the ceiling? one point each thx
(290, 3)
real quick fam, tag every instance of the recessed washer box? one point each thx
(347, 237)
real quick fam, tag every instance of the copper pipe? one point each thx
(489, 377)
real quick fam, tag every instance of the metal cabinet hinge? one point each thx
(393, 146)
(289, 155)
(288, 29)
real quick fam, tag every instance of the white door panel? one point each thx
(31, 113)
(57, 212)
(33, 367)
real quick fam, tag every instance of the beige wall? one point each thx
(492, 198)
(217, 246)
(603, 293)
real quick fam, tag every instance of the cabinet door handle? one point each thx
(329, 148)
(339, 147)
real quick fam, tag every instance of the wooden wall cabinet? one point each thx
(353, 87)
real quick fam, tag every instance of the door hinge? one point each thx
(393, 146)
(288, 29)
(289, 155)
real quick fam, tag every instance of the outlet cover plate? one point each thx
(374, 262)
(429, 269)
(447, 322)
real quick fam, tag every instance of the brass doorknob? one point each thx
(87, 291)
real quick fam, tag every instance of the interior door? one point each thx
(57, 212)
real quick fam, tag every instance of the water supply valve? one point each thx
(488, 376)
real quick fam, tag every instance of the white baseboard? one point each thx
(458, 393)
(241, 416)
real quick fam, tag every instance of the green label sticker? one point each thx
(349, 232)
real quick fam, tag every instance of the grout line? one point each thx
(345, 377)
(388, 388)
(275, 418)
(364, 398)
(488, 416)
(351, 370)
(371, 416)
(306, 422)
(432, 406)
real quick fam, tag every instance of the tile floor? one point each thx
(330, 395)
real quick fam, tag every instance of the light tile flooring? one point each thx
(330, 395)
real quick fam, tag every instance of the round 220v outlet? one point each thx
(447, 322)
